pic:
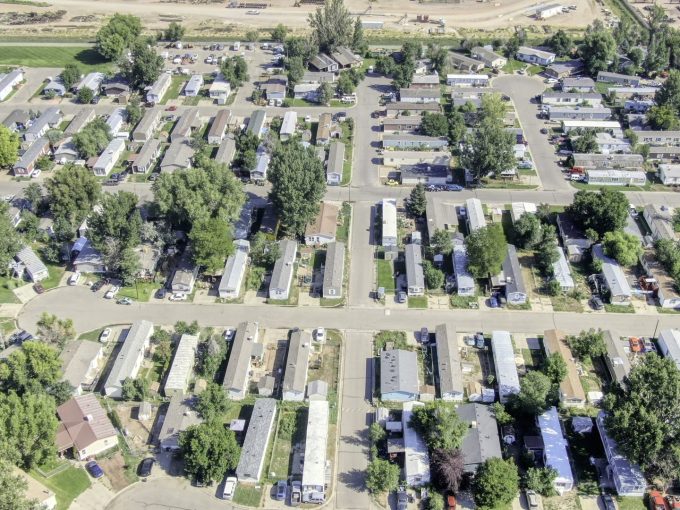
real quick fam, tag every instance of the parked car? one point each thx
(74, 278)
(479, 340)
(94, 469)
(532, 499)
(111, 293)
(295, 493)
(160, 293)
(402, 499)
(526, 165)
(105, 335)
(635, 344)
(451, 502)
(124, 301)
(648, 345)
(229, 487)
(608, 502)
(38, 288)
(146, 466)
(97, 285)
(36, 173)
(596, 303)
(544, 131)
(178, 296)
(454, 187)
(424, 335)
(401, 297)
(493, 302)
(320, 335)
(281, 490)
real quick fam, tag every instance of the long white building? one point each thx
(416, 457)
(504, 361)
(555, 450)
(316, 443)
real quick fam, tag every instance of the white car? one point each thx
(111, 293)
(178, 296)
(229, 487)
(74, 278)
(308, 118)
(320, 335)
(106, 334)
(229, 334)
(36, 173)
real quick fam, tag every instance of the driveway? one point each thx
(168, 494)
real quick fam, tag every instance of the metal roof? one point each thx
(334, 267)
(111, 154)
(92, 81)
(234, 269)
(504, 361)
(178, 154)
(148, 152)
(236, 375)
(669, 342)
(448, 361)
(219, 125)
(414, 266)
(562, 271)
(555, 448)
(194, 84)
(475, 214)
(398, 372)
(616, 356)
(81, 119)
(284, 265)
(259, 432)
(185, 124)
(416, 458)
(182, 364)
(50, 116)
(613, 274)
(29, 259)
(512, 272)
(389, 218)
(336, 159)
(220, 85)
(289, 123)
(76, 360)
(148, 122)
(316, 444)
(256, 122)
(526, 50)
(464, 279)
(160, 85)
(297, 361)
(605, 161)
(417, 93)
(481, 442)
(554, 341)
(133, 348)
(226, 151)
(179, 417)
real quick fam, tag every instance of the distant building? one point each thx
(465, 63)
(467, 80)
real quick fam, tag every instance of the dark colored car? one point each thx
(160, 293)
(145, 466)
(94, 469)
(38, 288)
(544, 131)
(97, 285)
(281, 490)
(608, 502)
(454, 187)
(401, 297)
(596, 303)
(424, 336)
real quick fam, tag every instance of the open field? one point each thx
(44, 56)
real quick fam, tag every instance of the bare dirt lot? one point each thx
(216, 20)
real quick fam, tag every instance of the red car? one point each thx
(171, 109)
(635, 344)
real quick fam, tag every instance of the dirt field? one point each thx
(216, 20)
(672, 8)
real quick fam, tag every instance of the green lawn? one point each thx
(248, 495)
(54, 56)
(385, 275)
(565, 303)
(6, 287)
(417, 302)
(462, 301)
(56, 272)
(290, 429)
(7, 325)
(631, 503)
(619, 308)
(67, 485)
(398, 338)
(348, 140)
(146, 289)
(176, 85)
(91, 335)
(342, 233)
(513, 65)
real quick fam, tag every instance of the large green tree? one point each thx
(212, 402)
(13, 489)
(663, 117)
(211, 243)
(532, 398)
(209, 449)
(235, 70)
(555, 367)
(144, 65)
(448, 468)
(587, 344)
(439, 425)
(669, 93)
(10, 239)
(585, 143)
(381, 476)
(486, 249)
(603, 211)
(488, 150)
(118, 35)
(279, 32)
(547, 250)
(527, 231)
(434, 124)
(174, 32)
(33, 368)
(298, 184)
(441, 242)
(117, 219)
(598, 48)
(496, 483)
(623, 247)
(93, 139)
(9, 147)
(331, 26)
(53, 330)
(561, 43)
(70, 75)
(541, 480)
(417, 201)
(72, 192)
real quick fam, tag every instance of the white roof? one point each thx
(29, 259)
(601, 124)
(182, 364)
(504, 361)
(195, 82)
(133, 349)
(475, 214)
(234, 268)
(669, 341)
(416, 458)
(613, 274)
(562, 272)
(555, 446)
(111, 153)
(627, 476)
(289, 123)
(670, 170)
(160, 84)
(519, 208)
(92, 81)
(634, 175)
(467, 77)
(526, 50)
(220, 85)
(464, 279)
(314, 469)
(389, 218)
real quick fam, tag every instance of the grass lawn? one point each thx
(146, 289)
(248, 495)
(398, 338)
(91, 335)
(385, 274)
(495, 184)
(631, 503)
(347, 139)
(462, 301)
(56, 272)
(619, 308)
(54, 56)
(290, 429)
(565, 303)
(176, 85)
(533, 69)
(67, 485)
(417, 302)
(192, 100)
(6, 287)
(7, 325)
(513, 65)
(342, 233)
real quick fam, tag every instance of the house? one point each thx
(28, 159)
(511, 278)
(669, 174)
(148, 256)
(465, 283)
(560, 113)
(80, 364)
(614, 278)
(89, 260)
(254, 450)
(284, 267)
(618, 79)
(488, 57)
(399, 375)
(117, 86)
(324, 63)
(615, 358)
(474, 214)
(17, 120)
(389, 222)
(555, 454)
(234, 271)
(406, 141)
(556, 98)
(398, 158)
(414, 270)
(275, 89)
(323, 131)
(571, 391)
(504, 362)
(425, 81)
(146, 127)
(548, 11)
(256, 123)
(185, 274)
(534, 56)
(79, 121)
(226, 151)
(187, 123)
(220, 89)
(335, 164)
(129, 358)
(574, 241)
(157, 91)
(608, 144)
(608, 161)
(288, 126)
(627, 477)
(177, 380)
(638, 105)
(108, 159)
(659, 282)
(9, 81)
(408, 124)
(54, 88)
(559, 70)
(180, 416)
(51, 118)
(633, 92)
(177, 156)
(399, 108)
(334, 270)
(297, 361)
(317, 78)
(259, 173)
(316, 446)
(34, 268)
(116, 120)
(448, 364)
(84, 427)
(66, 152)
(414, 95)
(218, 127)
(92, 81)
(659, 138)
(562, 273)
(317, 390)
(416, 457)
(235, 382)
(323, 230)
(669, 344)
(664, 153)
(345, 58)
(307, 91)
(424, 174)
(481, 441)
(194, 86)
(580, 84)
(34, 491)
(467, 80)
(465, 63)
(147, 156)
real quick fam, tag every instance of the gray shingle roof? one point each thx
(398, 372)
(254, 449)
(481, 441)
(448, 361)
(236, 375)
(414, 266)
(76, 359)
(334, 268)
(299, 349)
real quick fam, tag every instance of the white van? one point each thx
(237, 46)
(74, 278)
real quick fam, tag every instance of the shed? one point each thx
(448, 364)
(398, 375)
(177, 381)
(504, 362)
(254, 451)
(297, 361)
(317, 390)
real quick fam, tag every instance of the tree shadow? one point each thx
(354, 479)
(90, 57)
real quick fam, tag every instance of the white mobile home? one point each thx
(448, 363)
(282, 275)
(474, 214)
(416, 457)
(465, 283)
(669, 344)
(254, 451)
(129, 358)
(234, 271)
(316, 444)
(389, 222)
(288, 125)
(108, 159)
(159, 88)
(297, 362)
(504, 362)
(534, 56)
(235, 382)
(415, 279)
(555, 450)
(182, 366)
(467, 80)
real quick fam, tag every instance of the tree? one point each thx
(626, 34)
(144, 65)
(9, 239)
(209, 450)
(547, 250)
(439, 425)
(133, 111)
(303, 47)
(438, 56)
(434, 124)
(93, 139)
(448, 468)
(435, 501)
(54, 136)
(212, 402)
(376, 433)
(264, 251)
(174, 32)
(532, 399)
(636, 56)
(70, 76)
(298, 184)
(279, 32)
(441, 242)
(496, 483)
(434, 278)
(325, 93)
(162, 353)
(457, 128)
(135, 389)
(417, 201)
(643, 417)
(211, 243)
(29, 225)
(85, 95)
(252, 36)
(9, 147)
(53, 330)
(295, 67)
(492, 108)
(555, 367)
(345, 84)
(359, 44)
(331, 26)
(13, 489)
(561, 43)
(527, 231)
(486, 249)
(541, 480)
(663, 117)
(117, 219)
(502, 416)
(623, 247)
(381, 476)
(488, 150)
(604, 211)
(598, 48)
(235, 70)
(585, 143)
(668, 254)
(117, 35)
(199, 193)
(658, 53)
(33, 368)
(669, 92)
(587, 344)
